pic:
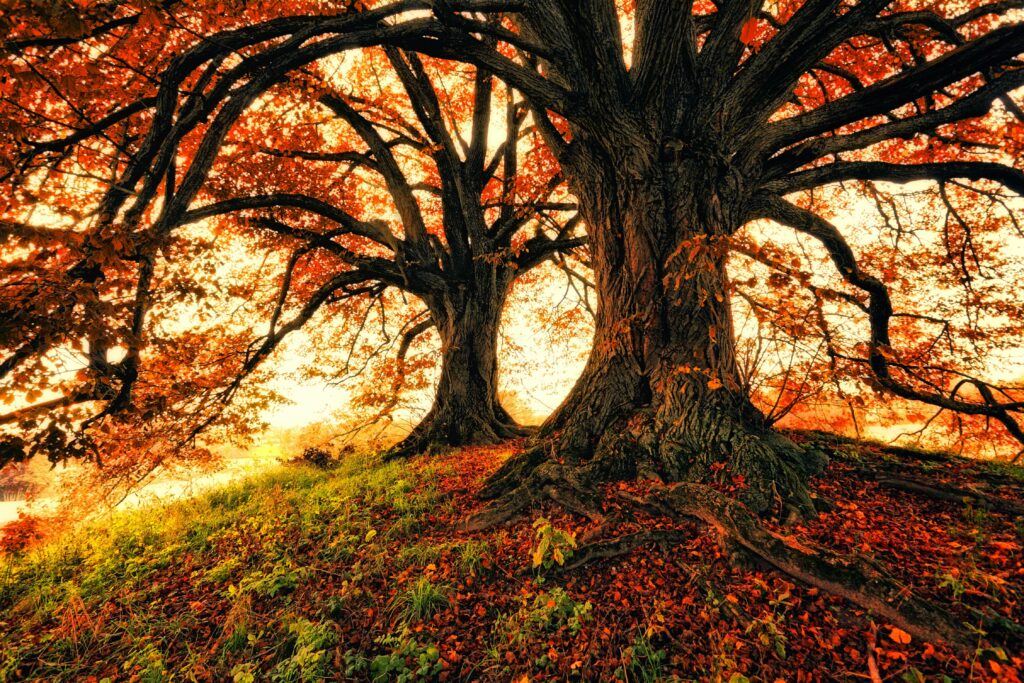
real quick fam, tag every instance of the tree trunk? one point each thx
(466, 410)
(660, 395)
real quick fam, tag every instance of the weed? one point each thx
(420, 554)
(642, 662)
(474, 556)
(222, 571)
(549, 611)
(724, 648)
(420, 601)
(767, 628)
(975, 516)
(971, 580)
(237, 624)
(953, 582)
(244, 672)
(407, 503)
(282, 579)
(146, 665)
(554, 545)
(405, 660)
(404, 527)
(309, 661)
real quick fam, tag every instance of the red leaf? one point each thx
(749, 31)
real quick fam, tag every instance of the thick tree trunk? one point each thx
(466, 410)
(660, 395)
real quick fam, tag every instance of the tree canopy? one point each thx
(358, 144)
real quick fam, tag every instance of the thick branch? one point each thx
(1007, 176)
(880, 312)
(991, 50)
(374, 230)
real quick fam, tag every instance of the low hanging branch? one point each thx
(880, 311)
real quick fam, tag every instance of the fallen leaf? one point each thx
(900, 636)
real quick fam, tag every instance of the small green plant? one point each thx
(404, 527)
(548, 611)
(420, 601)
(146, 665)
(767, 628)
(973, 580)
(953, 582)
(557, 608)
(420, 554)
(221, 572)
(912, 675)
(309, 661)
(244, 672)
(474, 556)
(724, 661)
(405, 660)
(554, 545)
(642, 662)
(975, 516)
(282, 579)
(407, 502)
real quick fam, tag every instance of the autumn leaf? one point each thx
(749, 31)
(900, 636)
(540, 551)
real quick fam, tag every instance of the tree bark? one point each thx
(466, 410)
(660, 395)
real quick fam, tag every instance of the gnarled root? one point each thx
(449, 431)
(602, 550)
(561, 484)
(847, 577)
(939, 491)
(857, 580)
(770, 470)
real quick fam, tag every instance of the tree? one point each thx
(676, 124)
(320, 193)
(708, 117)
(759, 105)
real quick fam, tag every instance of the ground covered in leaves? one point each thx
(362, 572)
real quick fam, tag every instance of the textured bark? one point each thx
(660, 395)
(466, 410)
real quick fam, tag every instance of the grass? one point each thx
(364, 573)
(245, 546)
(420, 601)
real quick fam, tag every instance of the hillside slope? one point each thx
(363, 573)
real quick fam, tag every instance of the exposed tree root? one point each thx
(526, 481)
(898, 476)
(940, 491)
(435, 433)
(858, 580)
(512, 473)
(773, 470)
(547, 481)
(622, 545)
(847, 577)
(899, 469)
